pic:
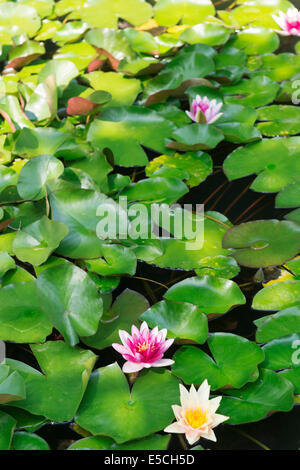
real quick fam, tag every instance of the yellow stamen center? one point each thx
(144, 346)
(196, 417)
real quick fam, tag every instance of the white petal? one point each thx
(124, 337)
(184, 395)
(144, 327)
(210, 435)
(215, 118)
(177, 411)
(162, 363)
(154, 332)
(135, 331)
(132, 367)
(203, 392)
(174, 427)
(214, 404)
(192, 436)
(163, 333)
(218, 419)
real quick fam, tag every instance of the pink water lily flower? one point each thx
(196, 417)
(143, 348)
(204, 111)
(289, 22)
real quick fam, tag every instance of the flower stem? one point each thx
(251, 438)
(182, 442)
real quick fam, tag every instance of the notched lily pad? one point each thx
(234, 362)
(263, 243)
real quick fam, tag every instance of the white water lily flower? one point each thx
(196, 417)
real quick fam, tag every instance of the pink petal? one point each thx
(120, 348)
(125, 338)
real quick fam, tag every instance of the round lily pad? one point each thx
(275, 161)
(110, 408)
(263, 243)
(210, 294)
(234, 362)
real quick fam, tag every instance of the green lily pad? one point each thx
(110, 408)
(206, 33)
(40, 141)
(195, 137)
(289, 196)
(77, 208)
(294, 265)
(25, 420)
(170, 12)
(256, 40)
(70, 32)
(23, 440)
(282, 354)
(122, 89)
(279, 120)
(17, 18)
(70, 298)
(35, 242)
(255, 400)
(115, 259)
(7, 426)
(57, 391)
(15, 276)
(42, 104)
(105, 13)
(263, 243)
(22, 319)
(36, 173)
(210, 294)
(6, 263)
(193, 167)
(122, 314)
(278, 296)
(255, 12)
(294, 216)
(12, 385)
(10, 106)
(218, 266)
(181, 319)
(255, 91)
(237, 123)
(153, 442)
(63, 70)
(275, 161)
(80, 54)
(156, 189)
(114, 42)
(234, 362)
(278, 324)
(279, 67)
(124, 130)
(185, 70)
(178, 254)
(8, 177)
(25, 53)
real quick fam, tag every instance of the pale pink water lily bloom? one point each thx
(196, 417)
(204, 110)
(289, 22)
(143, 348)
